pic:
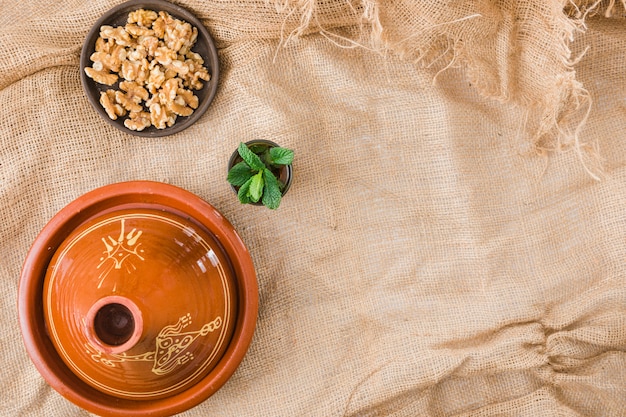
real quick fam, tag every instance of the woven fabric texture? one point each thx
(454, 241)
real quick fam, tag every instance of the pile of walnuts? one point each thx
(152, 54)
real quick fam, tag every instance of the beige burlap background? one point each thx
(445, 249)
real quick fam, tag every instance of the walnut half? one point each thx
(102, 76)
(138, 121)
(113, 109)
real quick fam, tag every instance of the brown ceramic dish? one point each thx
(204, 46)
(137, 298)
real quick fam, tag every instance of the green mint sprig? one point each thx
(254, 175)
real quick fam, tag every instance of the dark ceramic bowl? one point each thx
(204, 46)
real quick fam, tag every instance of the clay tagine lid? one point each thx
(140, 303)
(149, 300)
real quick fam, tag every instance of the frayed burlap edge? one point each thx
(456, 34)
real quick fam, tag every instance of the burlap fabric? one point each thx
(454, 242)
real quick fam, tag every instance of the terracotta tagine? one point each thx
(137, 298)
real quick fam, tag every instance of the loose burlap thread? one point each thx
(453, 242)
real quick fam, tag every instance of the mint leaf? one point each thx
(272, 194)
(258, 148)
(256, 187)
(250, 157)
(239, 174)
(281, 156)
(244, 192)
